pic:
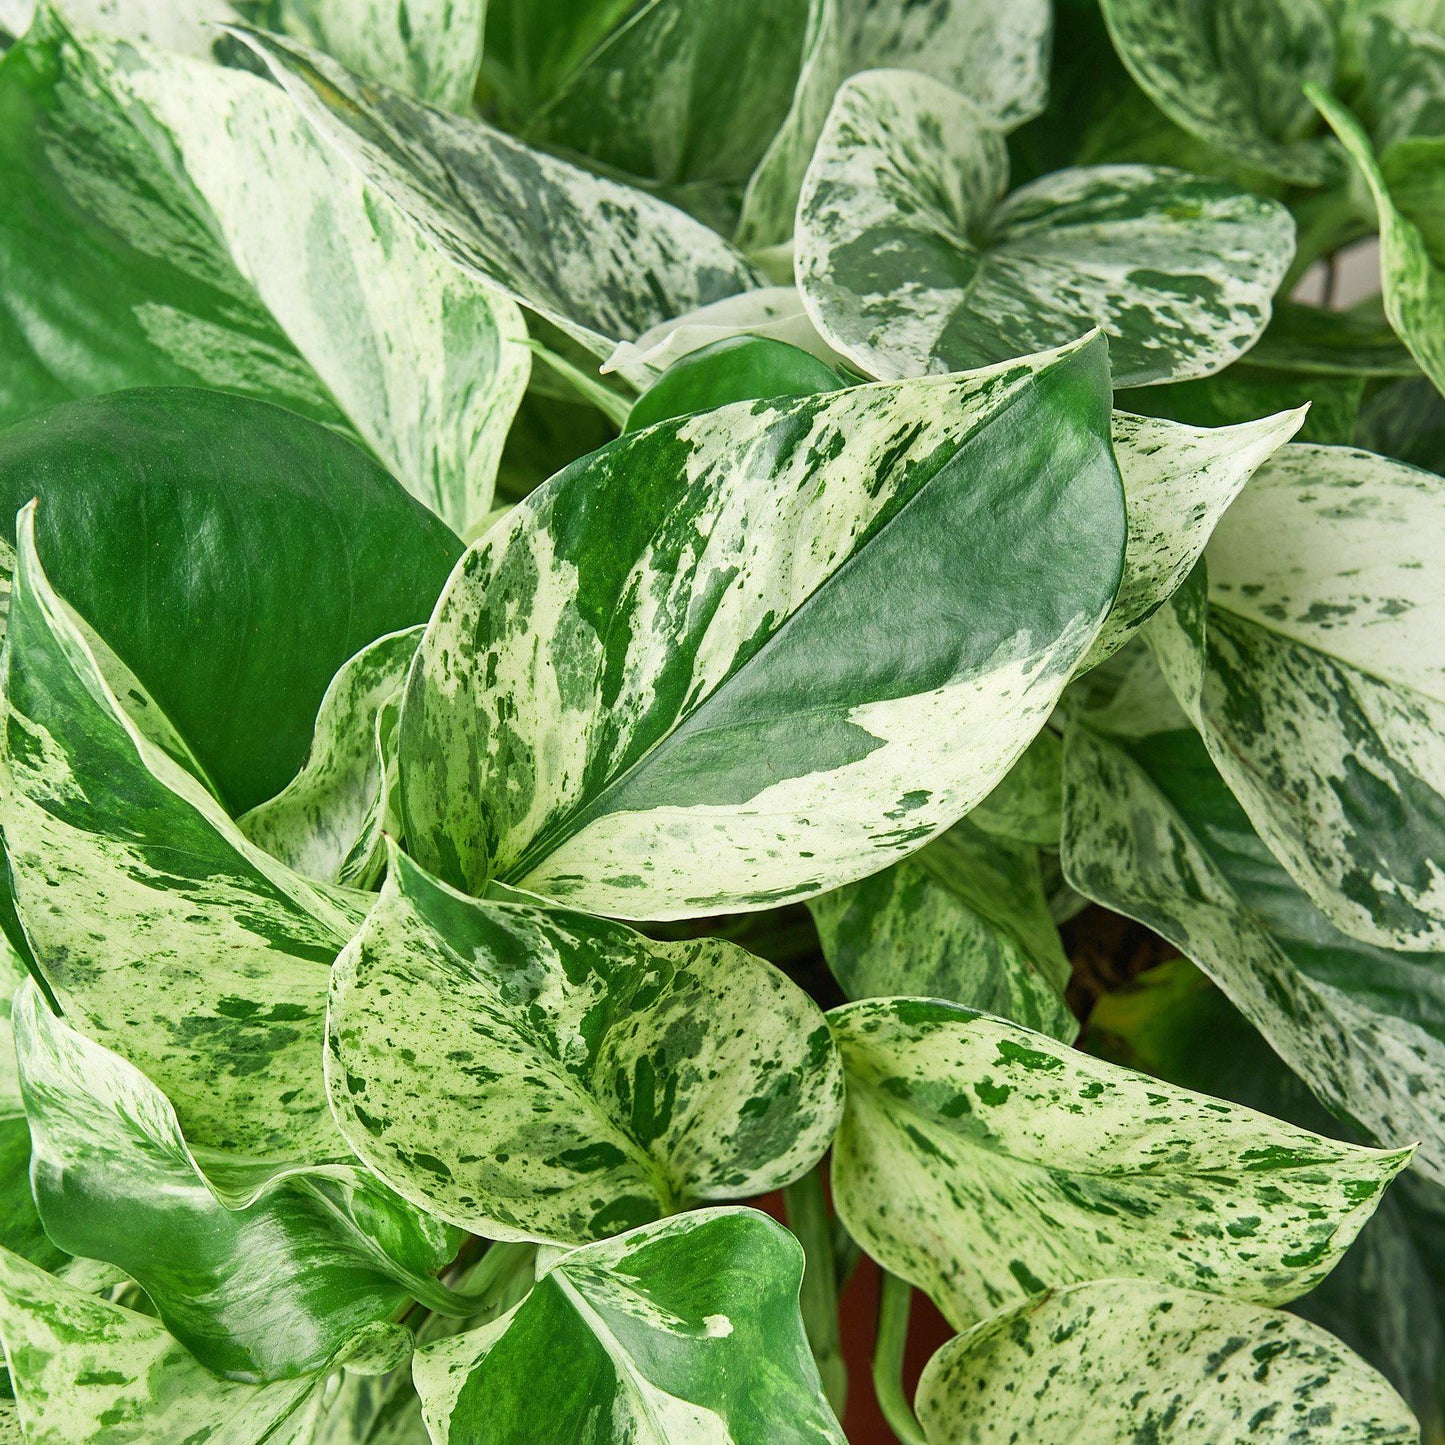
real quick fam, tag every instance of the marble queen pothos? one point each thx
(615, 606)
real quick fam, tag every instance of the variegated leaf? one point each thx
(1151, 831)
(426, 364)
(1316, 676)
(1119, 1359)
(1024, 807)
(431, 49)
(85, 1369)
(186, 26)
(684, 1330)
(1315, 341)
(910, 259)
(1178, 481)
(328, 821)
(602, 261)
(760, 677)
(964, 919)
(993, 52)
(1404, 80)
(983, 1163)
(537, 1074)
(158, 927)
(1230, 72)
(263, 1271)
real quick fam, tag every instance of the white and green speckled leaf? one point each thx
(530, 1073)
(601, 260)
(964, 919)
(1024, 807)
(1115, 1359)
(430, 49)
(723, 663)
(911, 260)
(185, 26)
(328, 822)
(993, 52)
(87, 1370)
(161, 930)
(263, 1271)
(983, 1163)
(1316, 676)
(1151, 831)
(1407, 189)
(1178, 481)
(1230, 71)
(686, 1330)
(1404, 91)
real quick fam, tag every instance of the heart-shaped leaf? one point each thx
(530, 1073)
(964, 919)
(910, 259)
(579, 724)
(1130, 1360)
(687, 1329)
(984, 1162)
(1315, 676)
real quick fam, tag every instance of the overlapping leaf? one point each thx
(910, 260)
(1024, 807)
(984, 1162)
(1151, 831)
(1316, 675)
(601, 260)
(538, 1074)
(964, 919)
(721, 663)
(151, 237)
(687, 1329)
(1128, 1360)
(158, 927)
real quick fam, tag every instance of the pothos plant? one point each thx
(588, 588)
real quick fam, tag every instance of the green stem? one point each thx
(807, 1211)
(614, 407)
(895, 1297)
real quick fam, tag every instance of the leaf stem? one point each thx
(614, 407)
(807, 1210)
(895, 1298)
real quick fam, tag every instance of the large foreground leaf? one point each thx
(267, 549)
(262, 1273)
(601, 260)
(910, 259)
(964, 919)
(983, 1162)
(1116, 1360)
(1151, 831)
(685, 1330)
(724, 662)
(539, 1074)
(157, 926)
(1316, 675)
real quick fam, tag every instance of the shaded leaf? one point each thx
(1024, 807)
(911, 260)
(983, 1162)
(687, 1329)
(1405, 421)
(758, 678)
(1404, 92)
(1308, 340)
(1124, 1359)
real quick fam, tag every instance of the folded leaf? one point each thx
(600, 260)
(964, 919)
(1407, 194)
(263, 1272)
(84, 1369)
(1178, 481)
(176, 223)
(1230, 73)
(538, 1074)
(161, 931)
(723, 663)
(1151, 831)
(983, 1163)
(1316, 676)
(910, 259)
(329, 819)
(1127, 1360)
(684, 1330)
